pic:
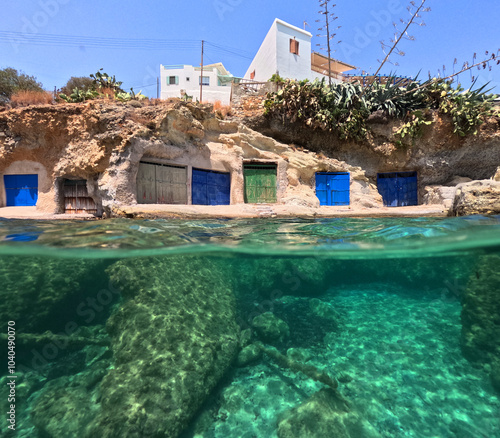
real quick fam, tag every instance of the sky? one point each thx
(56, 39)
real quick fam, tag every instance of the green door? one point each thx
(260, 183)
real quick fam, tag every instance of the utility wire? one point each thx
(101, 42)
(117, 43)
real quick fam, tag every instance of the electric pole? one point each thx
(201, 76)
(329, 19)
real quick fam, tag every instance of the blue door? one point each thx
(210, 187)
(398, 189)
(332, 188)
(21, 190)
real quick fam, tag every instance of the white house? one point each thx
(286, 50)
(178, 80)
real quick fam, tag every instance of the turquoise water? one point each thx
(252, 328)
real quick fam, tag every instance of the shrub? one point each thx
(222, 111)
(23, 98)
(344, 107)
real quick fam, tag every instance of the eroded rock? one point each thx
(173, 338)
(477, 197)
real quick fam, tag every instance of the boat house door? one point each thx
(398, 189)
(332, 188)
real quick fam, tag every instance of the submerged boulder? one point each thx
(58, 288)
(324, 415)
(270, 328)
(173, 338)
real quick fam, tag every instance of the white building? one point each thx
(178, 80)
(286, 50)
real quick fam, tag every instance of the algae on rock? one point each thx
(55, 287)
(324, 415)
(481, 317)
(173, 338)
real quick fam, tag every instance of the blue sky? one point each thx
(234, 30)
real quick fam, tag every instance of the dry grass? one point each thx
(222, 110)
(23, 98)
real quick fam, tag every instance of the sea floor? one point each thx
(398, 356)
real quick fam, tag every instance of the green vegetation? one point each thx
(343, 108)
(97, 85)
(84, 83)
(12, 82)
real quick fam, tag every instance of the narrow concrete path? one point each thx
(152, 211)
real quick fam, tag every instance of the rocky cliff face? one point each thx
(438, 155)
(103, 144)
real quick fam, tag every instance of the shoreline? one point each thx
(236, 211)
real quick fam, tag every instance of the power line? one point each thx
(116, 43)
(99, 42)
(229, 50)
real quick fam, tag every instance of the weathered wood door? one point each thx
(161, 184)
(77, 199)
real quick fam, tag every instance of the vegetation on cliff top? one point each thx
(344, 108)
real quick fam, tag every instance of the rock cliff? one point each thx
(103, 142)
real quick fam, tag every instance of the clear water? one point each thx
(128, 328)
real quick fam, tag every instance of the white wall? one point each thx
(264, 64)
(289, 65)
(274, 54)
(211, 93)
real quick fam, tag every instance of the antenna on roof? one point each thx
(305, 24)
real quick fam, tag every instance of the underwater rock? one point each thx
(495, 376)
(57, 288)
(173, 338)
(275, 277)
(323, 310)
(480, 337)
(245, 337)
(299, 354)
(309, 370)
(324, 415)
(64, 410)
(269, 328)
(249, 354)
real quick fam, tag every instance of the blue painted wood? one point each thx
(21, 190)
(210, 187)
(333, 188)
(398, 189)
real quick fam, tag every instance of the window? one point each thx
(206, 80)
(294, 46)
(252, 75)
(173, 80)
